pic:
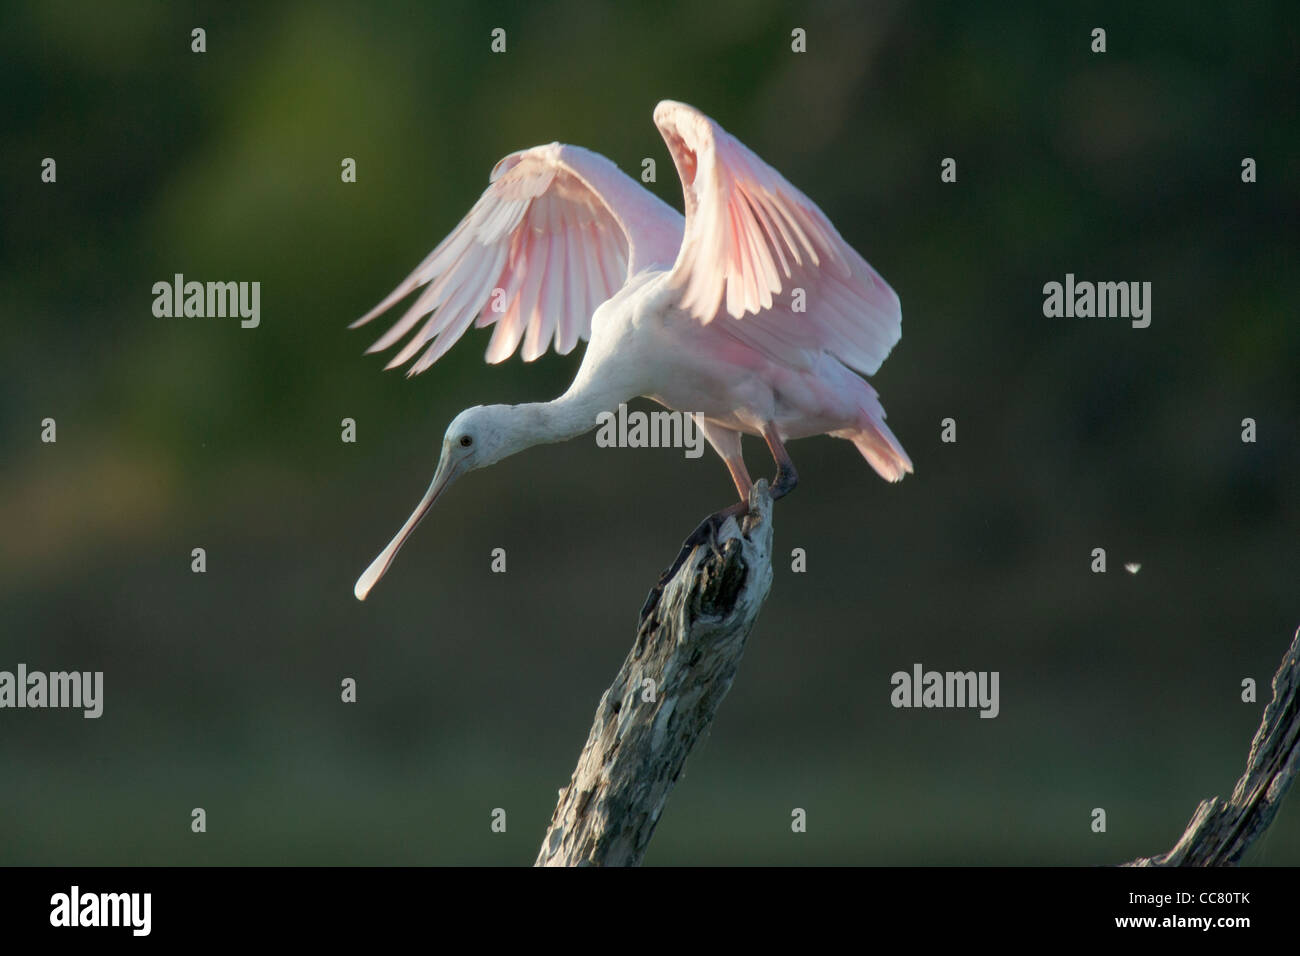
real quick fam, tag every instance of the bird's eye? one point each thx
(466, 441)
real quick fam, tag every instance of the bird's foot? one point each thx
(705, 533)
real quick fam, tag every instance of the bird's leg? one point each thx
(786, 477)
(727, 444)
(740, 475)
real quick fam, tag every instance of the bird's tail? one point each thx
(879, 446)
(877, 443)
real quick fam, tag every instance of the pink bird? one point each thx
(752, 314)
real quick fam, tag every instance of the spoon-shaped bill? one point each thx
(441, 479)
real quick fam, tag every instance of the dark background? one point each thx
(476, 689)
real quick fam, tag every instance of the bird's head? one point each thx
(480, 436)
(477, 437)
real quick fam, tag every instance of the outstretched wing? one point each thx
(558, 231)
(752, 240)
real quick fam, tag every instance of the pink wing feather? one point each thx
(558, 231)
(752, 239)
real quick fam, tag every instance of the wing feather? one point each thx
(752, 240)
(558, 230)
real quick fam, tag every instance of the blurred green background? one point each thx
(476, 690)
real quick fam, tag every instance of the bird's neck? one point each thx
(572, 414)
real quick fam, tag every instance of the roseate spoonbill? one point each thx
(752, 313)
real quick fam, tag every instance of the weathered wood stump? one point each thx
(685, 656)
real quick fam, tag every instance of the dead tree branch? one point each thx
(664, 698)
(1221, 831)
